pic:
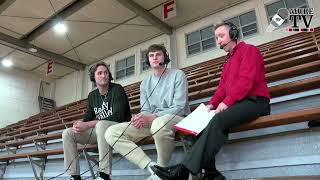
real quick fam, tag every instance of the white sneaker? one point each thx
(153, 177)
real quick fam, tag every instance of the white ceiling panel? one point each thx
(58, 4)
(58, 70)
(81, 34)
(25, 61)
(25, 15)
(30, 8)
(84, 59)
(103, 11)
(72, 55)
(78, 32)
(149, 3)
(138, 21)
(52, 41)
(19, 25)
(10, 32)
(22, 17)
(110, 43)
(4, 50)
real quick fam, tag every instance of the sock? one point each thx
(104, 175)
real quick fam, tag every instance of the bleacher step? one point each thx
(286, 178)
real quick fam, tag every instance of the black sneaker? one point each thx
(313, 123)
(177, 172)
(75, 177)
(213, 176)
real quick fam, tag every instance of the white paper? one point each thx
(195, 122)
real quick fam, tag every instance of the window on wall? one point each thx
(125, 67)
(246, 23)
(273, 8)
(144, 65)
(200, 40)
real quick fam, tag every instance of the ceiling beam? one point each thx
(152, 19)
(4, 4)
(24, 46)
(60, 15)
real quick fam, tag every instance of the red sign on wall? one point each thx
(50, 67)
(169, 10)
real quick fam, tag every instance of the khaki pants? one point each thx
(164, 140)
(70, 140)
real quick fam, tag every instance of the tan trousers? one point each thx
(164, 140)
(70, 140)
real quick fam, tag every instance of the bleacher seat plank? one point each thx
(281, 119)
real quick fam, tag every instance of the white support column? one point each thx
(173, 50)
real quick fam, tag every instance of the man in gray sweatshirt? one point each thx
(164, 101)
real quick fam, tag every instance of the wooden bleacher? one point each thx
(285, 58)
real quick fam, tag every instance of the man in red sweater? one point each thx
(242, 96)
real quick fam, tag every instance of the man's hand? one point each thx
(141, 120)
(80, 126)
(221, 107)
(210, 107)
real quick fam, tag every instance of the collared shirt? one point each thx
(243, 75)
